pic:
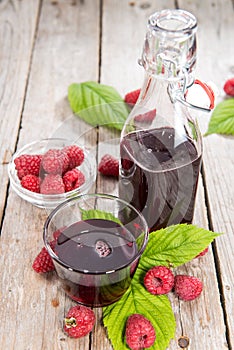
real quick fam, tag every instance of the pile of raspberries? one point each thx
(53, 172)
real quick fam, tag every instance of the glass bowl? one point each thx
(88, 168)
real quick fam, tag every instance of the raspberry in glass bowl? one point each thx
(49, 171)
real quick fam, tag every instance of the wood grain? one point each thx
(215, 35)
(199, 324)
(47, 45)
(28, 307)
(18, 23)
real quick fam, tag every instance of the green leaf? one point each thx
(99, 214)
(175, 245)
(222, 118)
(98, 104)
(137, 300)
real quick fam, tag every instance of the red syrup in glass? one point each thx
(96, 252)
(159, 175)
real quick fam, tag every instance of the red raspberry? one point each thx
(55, 161)
(202, 253)
(147, 117)
(28, 164)
(31, 183)
(52, 184)
(187, 287)
(109, 166)
(43, 262)
(79, 321)
(140, 333)
(73, 179)
(75, 155)
(58, 232)
(229, 87)
(132, 97)
(159, 280)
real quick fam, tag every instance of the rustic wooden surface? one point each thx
(45, 45)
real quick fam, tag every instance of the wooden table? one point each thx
(45, 45)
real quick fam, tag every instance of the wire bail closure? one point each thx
(181, 93)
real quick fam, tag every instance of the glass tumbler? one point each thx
(95, 241)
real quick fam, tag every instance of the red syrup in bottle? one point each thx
(159, 175)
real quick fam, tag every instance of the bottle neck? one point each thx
(157, 93)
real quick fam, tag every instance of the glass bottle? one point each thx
(161, 145)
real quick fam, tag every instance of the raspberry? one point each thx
(109, 166)
(127, 164)
(75, 155)
(31, 183)
(202, 253)
(79, 321)
(159, 280)
(229, 87)
(140, 333)
(73, 179)
(187, 287)
(52, 184)
(102, 248)
(132, 97)
(55, 161)
(58, 232)
(28, 164)
(147, 117)
(43, 262)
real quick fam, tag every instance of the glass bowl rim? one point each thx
(15, 182)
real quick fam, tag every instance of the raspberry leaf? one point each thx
(222, 118)
(98, 104)
(137, 300)
(99, 214)
(175, 245)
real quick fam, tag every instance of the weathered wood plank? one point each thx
(122, 47)
(18, 22)
(199, 320)
(215, 63)
(66, 51)
(123, 31)
(209, 329)
(203, 325)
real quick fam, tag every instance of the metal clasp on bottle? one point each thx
(180, 95)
